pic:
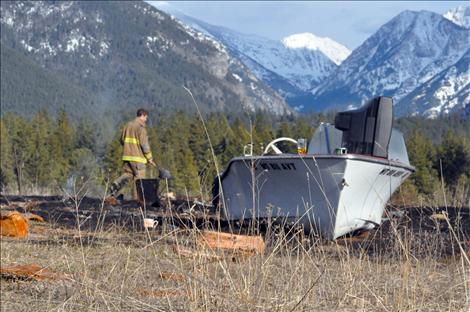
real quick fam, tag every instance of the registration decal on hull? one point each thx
(275, 166)
(391, 172)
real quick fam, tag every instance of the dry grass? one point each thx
(123, 269)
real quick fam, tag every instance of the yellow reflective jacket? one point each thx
(136, 143)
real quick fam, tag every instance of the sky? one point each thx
(347, 22)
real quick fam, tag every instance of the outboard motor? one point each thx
(367, 130)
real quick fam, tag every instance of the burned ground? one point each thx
(417, 260)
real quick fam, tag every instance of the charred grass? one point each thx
(411, 263)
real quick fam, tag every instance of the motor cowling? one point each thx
(367, 130)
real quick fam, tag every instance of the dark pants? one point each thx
(131, 171)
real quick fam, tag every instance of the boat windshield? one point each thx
(327, 140)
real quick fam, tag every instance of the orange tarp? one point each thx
(13, 224)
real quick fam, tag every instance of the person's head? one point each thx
(142, 114)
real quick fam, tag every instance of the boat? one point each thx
(338, 185)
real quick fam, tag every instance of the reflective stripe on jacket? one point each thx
(135, 141)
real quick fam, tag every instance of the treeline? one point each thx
(53, 155)
(43, 154)
(440, 151)
(441, 170)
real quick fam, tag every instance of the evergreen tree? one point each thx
(178, 154)
(19, 134)
(187, 177)
(86, 136)
(221, 137)
(62, 142)
(240, 137)
(454, 156)
(6, 160)
(302, 128)
(199, 144)
(262, 133)
(41, 165)
(112, 159)
(422, 153)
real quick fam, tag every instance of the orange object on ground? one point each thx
(219, 240)
(34, 217)
(13, 224)
(30, 271)
(111, 200)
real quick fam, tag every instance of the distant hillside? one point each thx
(39, 88)
(112, 57)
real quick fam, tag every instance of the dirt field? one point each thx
(103, 259)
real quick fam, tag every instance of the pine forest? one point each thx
(49, 154)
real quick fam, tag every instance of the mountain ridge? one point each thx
(292, 71)
(404, 59)
(145, 61)
(401, 56)
(111, 66)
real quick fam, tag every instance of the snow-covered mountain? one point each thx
(332, 49)
(292, 66)
(304, 67)
(419, 58)
(459, 15)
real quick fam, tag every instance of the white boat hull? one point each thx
(330, 194)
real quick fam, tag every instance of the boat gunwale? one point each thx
(357, 157)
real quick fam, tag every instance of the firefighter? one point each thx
(136, 153)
